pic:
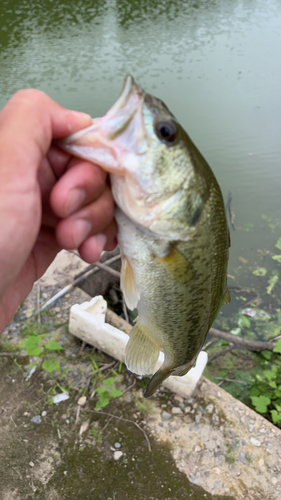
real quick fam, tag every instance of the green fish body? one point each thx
(172, 229)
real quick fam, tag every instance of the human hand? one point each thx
(48, 199)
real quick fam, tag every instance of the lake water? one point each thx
(215, 63)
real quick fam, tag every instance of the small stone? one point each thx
(31, 464)
(36, 419)
(217, 484)
(165, 415)
(255, 442)
(197, 419)
(83, 428)
(58, 398)
(242, 457)
(187, 409)
(261, 462)
(197, 448)
(178, 398)
(176, 410)
(274, 480)
(82, 401)
(251, 427)
(117, 445)
(216, 470)
(117, 455)
(210, 408)
(43, 414)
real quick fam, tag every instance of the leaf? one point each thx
(53, 345)
(51, 365)
(102, 390)
(261, 403)
(278, 244)
(271, 283)
(115, 393)
(243, 321)
(276, 416)
(102, 402)
(31, 345)
(109, 381)
(277, 347)
(266, 354)
(277, 257)
(261, 271)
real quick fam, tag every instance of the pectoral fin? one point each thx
(128, 284)
(142, 351)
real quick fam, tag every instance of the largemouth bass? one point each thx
(172, 229)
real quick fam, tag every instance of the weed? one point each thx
(106, 392)
(266, 389)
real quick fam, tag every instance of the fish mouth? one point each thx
(103, 142)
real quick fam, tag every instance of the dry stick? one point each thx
(124, 420)
(221, 353)
(81, 276)
(38, 302)
(130, 387)
(104, 267)
(104, 367)
(107, 423)
(250, 345)
(223, 379)
(115, 320)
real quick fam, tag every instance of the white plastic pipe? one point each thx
(87, 321)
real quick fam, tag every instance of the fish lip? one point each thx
(129, 87)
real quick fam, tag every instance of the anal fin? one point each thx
(142, 351)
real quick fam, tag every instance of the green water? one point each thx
(216, 64)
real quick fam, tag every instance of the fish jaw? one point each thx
(113, 140)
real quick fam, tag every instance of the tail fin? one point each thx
(156, 381)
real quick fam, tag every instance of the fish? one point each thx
(172, 229)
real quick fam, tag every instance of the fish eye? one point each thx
(166, 131)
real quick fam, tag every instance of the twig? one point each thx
(82, 348)
(77, 414)
(124, 420)
(130, 387)
(223, 379)
(125, 309)
(107, 423)
(104, 367)
(108, 269)
(250, 345)
(80, 277)
(221, 353)
(9, 353)
(38, 302)
(208, 344)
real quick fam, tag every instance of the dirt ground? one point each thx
(209, 446)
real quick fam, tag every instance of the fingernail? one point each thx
(74, 201)
(101, 240)
(81, 230)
